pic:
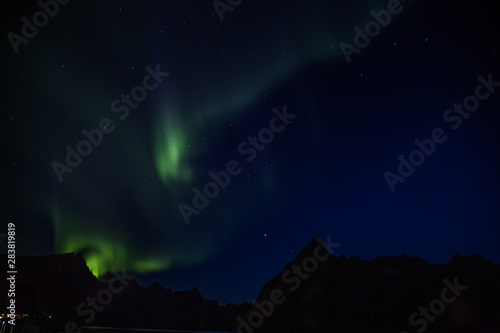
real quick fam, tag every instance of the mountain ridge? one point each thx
(317, 292)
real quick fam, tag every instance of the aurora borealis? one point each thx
(322, 175)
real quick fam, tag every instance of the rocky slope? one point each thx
(316, 293)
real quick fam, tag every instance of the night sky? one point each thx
(306, 139)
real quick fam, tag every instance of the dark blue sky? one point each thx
(322, 174)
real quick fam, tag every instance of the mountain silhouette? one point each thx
(317, 292)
